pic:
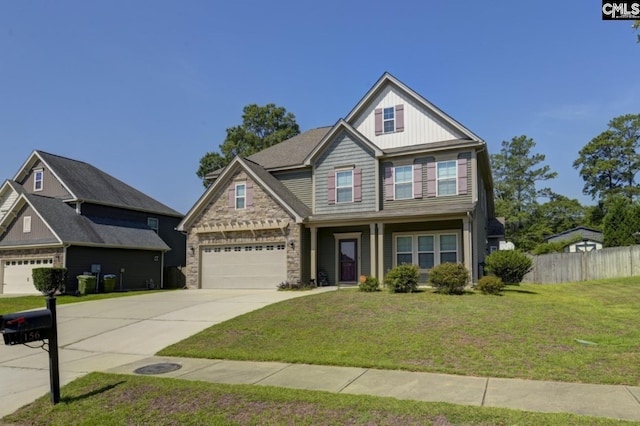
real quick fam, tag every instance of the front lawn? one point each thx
(581, 332)
(108, 399)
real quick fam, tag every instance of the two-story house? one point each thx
(66, 213)
(396, 181)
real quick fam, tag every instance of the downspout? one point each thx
(162, 270)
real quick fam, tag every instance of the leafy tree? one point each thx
(558, 214)
(621, 223)
(262, 127)
(609, 163)
(516, 172)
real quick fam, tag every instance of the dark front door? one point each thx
(348, 255)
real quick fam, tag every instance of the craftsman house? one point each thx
(65, 213)
(395, 181)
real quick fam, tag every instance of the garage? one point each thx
(244, 266)
(16, 275)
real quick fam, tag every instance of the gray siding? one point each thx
(345, 152)
(40, 233)
(299, 183)
(51, 186)
(327, 250)
(425, 200)
(305, 261)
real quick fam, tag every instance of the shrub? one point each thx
(490, 285)
(510, 265)
(48, 280)
(368, 284)
(402, 279)
(449, 278)
(298, 285)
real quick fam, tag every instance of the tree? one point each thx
(635, 26)
(516, 172)
(609, 163)
(262, 127)
(557, 215)
(621, 223)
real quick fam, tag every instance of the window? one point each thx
(403, 182)
(404, 250)
(240, 195)
(26, 224)
(344, 186)
(153, 223)
(426, 250)
(37, 180)
(448, 248)
(388, 120)
(447, 174)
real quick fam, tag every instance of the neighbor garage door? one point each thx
(16, 275)
(244, 266)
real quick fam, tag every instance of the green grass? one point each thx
(23, 303)
(530, 332)
(108, 399)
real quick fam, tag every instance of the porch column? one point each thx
(372, 249)
(380, 251)
(466, 246)
(314, 246)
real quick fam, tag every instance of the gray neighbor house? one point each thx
(395, 181)
(59, 212)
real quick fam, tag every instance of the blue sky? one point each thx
(143, 89)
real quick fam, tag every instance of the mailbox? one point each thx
(25, 327)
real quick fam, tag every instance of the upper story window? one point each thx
(241, 192)
(344, 186)
(388, 120)
(447, 178)
(37, 180)
(153, 223)
(403, 182)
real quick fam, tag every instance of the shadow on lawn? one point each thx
(90, 394)
(511, 289)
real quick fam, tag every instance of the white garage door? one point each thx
(244, 266)
(16, 275)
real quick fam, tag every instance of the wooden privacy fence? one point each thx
(614, 262)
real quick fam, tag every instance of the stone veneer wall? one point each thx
(264, 207)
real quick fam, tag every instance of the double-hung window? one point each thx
(426, 250)
(344, 186)
(448, 248)
(447, 174)
(404, 250)
(388, 120)
(38, 176)
(403, 182)
(241, 193)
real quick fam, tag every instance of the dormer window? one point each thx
(37, 180)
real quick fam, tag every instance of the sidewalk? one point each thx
(619, 402)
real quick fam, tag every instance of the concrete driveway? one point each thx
(104, 334)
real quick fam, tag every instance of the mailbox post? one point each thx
(25, 327)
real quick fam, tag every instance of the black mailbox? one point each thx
(25, 327)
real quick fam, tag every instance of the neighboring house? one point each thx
(396, 181)
(590, 239)
(59, 212)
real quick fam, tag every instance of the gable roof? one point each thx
(586, 234)
(87, 183)
(386, 80)
(69, 227)
(259, 175)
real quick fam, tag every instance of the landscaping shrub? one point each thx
(298, 285)
(490, 285)
(368, 284)
(402, 279)
(48, 280)
(449, 278)
(510, 265)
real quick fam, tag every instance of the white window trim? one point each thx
(36, 180)
(26, 224)
(395, 182)
(157, 223)
(244, 197)
(348, 236)
(436, 245)
(438, 179)
(350, 186)
(385, 120)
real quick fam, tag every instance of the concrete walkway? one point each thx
(121, 335)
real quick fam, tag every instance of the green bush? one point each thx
(48, 280)
(402, 279)
(368, 284)
(510, 265)
(449, 278)
(490, 285)
(298, 285)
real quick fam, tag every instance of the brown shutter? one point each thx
(417, 180)
(378, 120)
(400, 118)
(462, 176)
(357, 185)
(331, 188)
(388, 183)
(431, 179)
(232, 196)
(249, 193)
